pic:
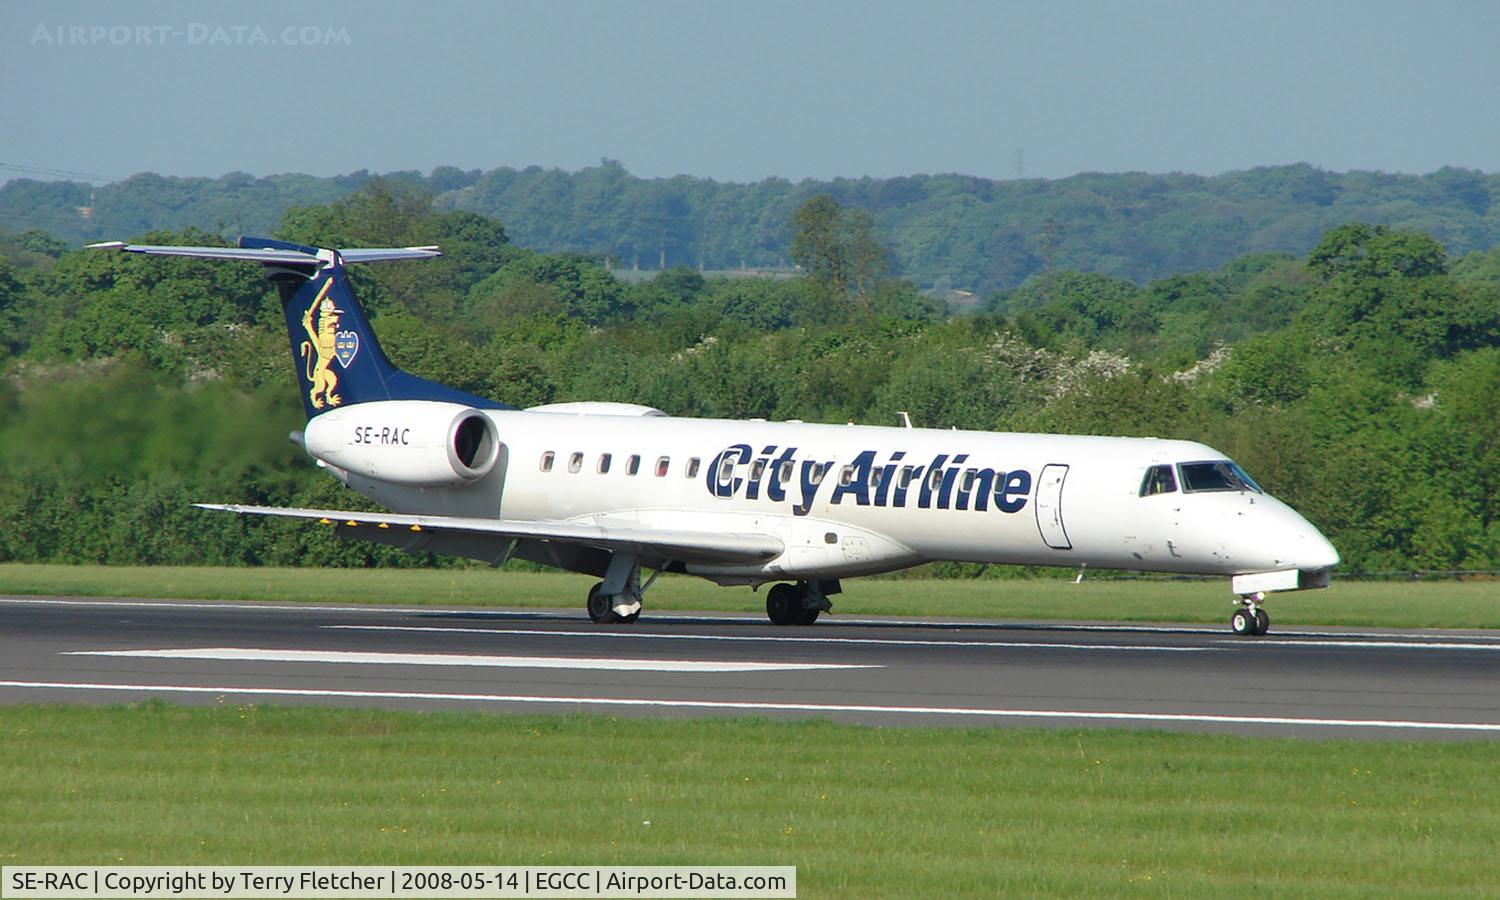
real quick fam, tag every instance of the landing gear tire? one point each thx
(1250, 620)
(784, 605)
(808, 615)
(600, 609)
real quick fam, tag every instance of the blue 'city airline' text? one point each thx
(874, 478)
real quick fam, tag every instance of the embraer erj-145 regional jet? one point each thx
(611, 488)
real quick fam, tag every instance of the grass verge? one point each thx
(861, 812)
(1467, 604)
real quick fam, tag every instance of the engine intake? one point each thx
(422, 443)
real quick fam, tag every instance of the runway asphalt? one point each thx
(1306, 682)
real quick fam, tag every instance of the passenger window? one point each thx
(604, 463)
(547, 459)
(877, 475)
(633, 464)
(846, 476)
(934, 479)
(692, 467)
(575, 462)
(906, 473)
(1158, 480)
(785, 475)
(662, 465)
(819, 472)
(757, 469)
(969, 479)
(726, 470)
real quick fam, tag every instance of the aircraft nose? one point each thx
(1294, 542)
(1317, 553)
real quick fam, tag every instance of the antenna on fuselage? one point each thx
(905, 418)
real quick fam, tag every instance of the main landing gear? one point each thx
(1250, 618)
(798, 604)
(618, 597)
(601, 607)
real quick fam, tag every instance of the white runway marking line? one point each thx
(233, 605)
(663, 636)
(754, 706)
(1185, 628)
(1435, 644)
(1375, 645)
(561, 615)
(246, 654)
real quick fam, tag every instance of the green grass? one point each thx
(1467, 604)
(861, 812)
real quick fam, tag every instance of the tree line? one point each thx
(942, 231)
(1360, 381)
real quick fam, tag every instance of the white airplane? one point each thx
(610, 489)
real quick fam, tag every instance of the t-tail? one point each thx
(338, 360)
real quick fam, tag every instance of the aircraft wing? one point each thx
(685, 546)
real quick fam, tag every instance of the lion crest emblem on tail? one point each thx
(321, 322)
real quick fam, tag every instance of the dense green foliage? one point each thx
(948, 231)
(1360, 383)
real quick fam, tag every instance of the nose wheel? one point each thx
(1250, 619)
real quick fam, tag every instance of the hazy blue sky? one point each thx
(742, 91)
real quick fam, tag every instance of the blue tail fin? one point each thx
(338, 359)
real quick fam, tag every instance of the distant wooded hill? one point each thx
(945, 231)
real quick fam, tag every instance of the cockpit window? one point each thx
(1216, 476)
(1244, 477)
(1158, 480)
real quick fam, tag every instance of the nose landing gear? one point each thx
(1250, 619)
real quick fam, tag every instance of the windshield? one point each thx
(1220, 475)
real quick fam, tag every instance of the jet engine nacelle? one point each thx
(422, 443)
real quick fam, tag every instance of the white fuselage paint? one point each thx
(1032, 499)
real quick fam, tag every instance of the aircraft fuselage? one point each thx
(851, 500)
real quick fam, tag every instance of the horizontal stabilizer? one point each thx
(378, 254)
(271, 254)
(295, 257)
(686, 546)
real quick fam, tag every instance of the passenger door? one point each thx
(1049, 519)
